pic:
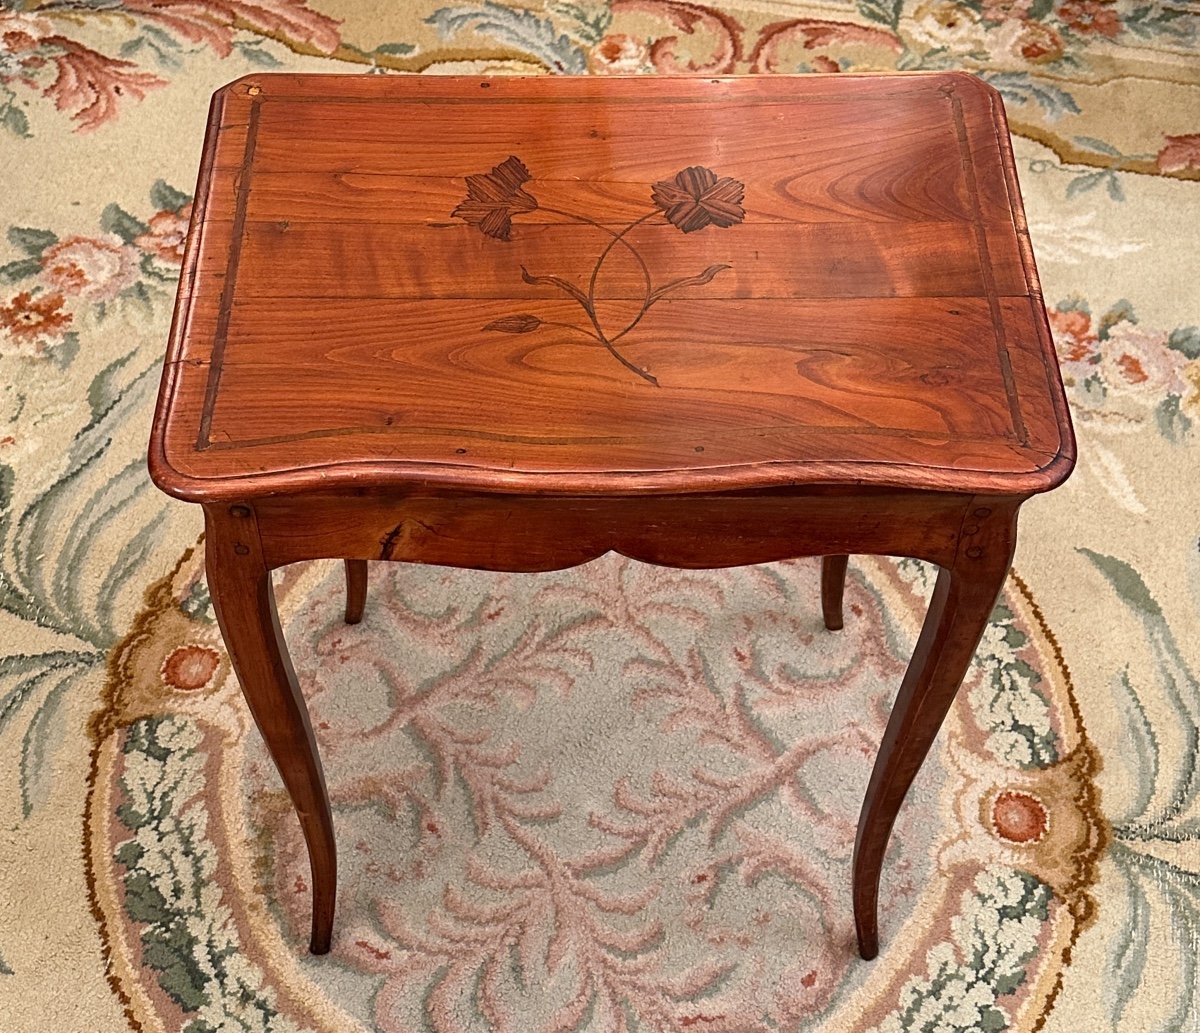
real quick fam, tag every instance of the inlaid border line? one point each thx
(985, 266)
(530, 439)
(242, 189)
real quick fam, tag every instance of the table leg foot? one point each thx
(833, 587)
(356, 590)
(962, 602)
(240, 586)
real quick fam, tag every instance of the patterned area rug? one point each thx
(614, 798)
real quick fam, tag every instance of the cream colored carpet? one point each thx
(615, 798)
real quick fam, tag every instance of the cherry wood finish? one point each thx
(514, 324)
(240, 585)
(962, 601)
(833, 587)
(356, 590)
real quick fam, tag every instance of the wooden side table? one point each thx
(513, 324)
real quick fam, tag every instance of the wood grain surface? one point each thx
(866, 313)
(538, 533)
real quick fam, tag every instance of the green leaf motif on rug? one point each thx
(1127, 582)
(166, 198)
(1162, 814)
(31, 240)
(1186, 341)
(1021, 88)
(395, 49)
(197, 604)
(14, 120)
(114, 219)
(538, 37)
(1174, 774)
(1172, 423)
(1007, 700)
(991, 942)
(188, 936)
(161, 45)
(256, 54)
(885, 12)
(1157, 893)
(590, 25)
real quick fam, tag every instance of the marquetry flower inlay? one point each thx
(695, 198)
(494, 197)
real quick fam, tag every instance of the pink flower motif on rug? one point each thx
(1180, 153)
(31, 323)
(91, 86)
(166, 234)
(90, 268)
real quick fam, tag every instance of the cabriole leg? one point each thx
(962, 602)
(244, 600)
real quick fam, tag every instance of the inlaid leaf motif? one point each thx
(494, 197)
(522, 324)
(557, 281)
(688, 281)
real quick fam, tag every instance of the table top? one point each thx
(608, 286)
